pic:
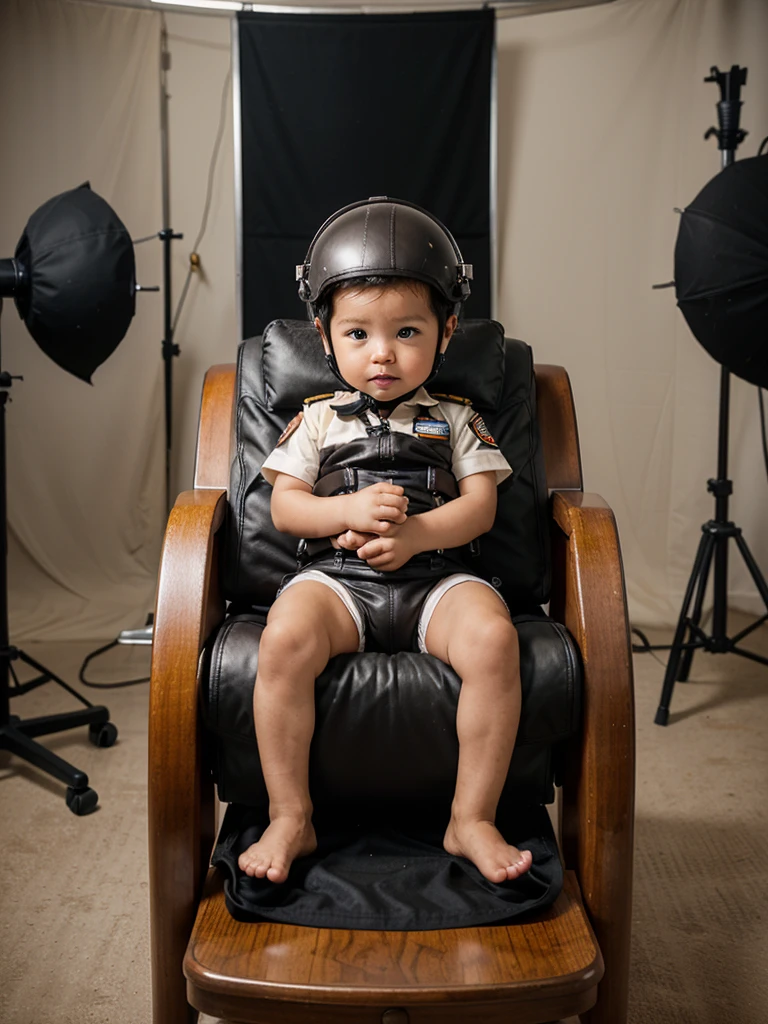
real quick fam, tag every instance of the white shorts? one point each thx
(430, 603)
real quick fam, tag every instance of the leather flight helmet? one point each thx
(388, 238)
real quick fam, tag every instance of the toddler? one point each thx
(384, 281)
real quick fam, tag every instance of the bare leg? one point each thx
(471, 631)
(306, 627)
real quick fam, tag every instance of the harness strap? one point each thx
(437, 481)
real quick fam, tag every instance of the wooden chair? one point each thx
(570, 960)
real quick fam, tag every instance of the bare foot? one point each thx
(283, 841)
(483, 844)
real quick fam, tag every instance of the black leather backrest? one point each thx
(276, 371)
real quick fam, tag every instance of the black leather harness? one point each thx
(420, 465)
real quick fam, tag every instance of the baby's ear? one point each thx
(450, 326)
(319, 327)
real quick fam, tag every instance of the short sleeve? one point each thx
(297, 451)
(474, 448)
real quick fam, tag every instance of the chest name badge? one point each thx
(423, 426)
(481, 432)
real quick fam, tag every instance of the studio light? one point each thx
(73, 279)
(74, 284)
(721, 282)
(721, 268)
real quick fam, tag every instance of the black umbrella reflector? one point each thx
(721, 268)
(78, 294)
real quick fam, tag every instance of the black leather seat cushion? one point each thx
(385, 729)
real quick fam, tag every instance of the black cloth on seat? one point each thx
(373, 877)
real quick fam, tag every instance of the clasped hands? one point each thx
(378, 527)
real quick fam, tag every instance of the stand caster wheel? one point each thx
(102, 735)
(81, 801)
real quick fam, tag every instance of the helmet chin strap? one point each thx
(366, 401)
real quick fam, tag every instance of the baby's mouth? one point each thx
(385, 378)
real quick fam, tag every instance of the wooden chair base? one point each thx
(540, 971)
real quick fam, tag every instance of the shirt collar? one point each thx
(421, 397)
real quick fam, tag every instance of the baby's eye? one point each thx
(407, 332)
(357, 334)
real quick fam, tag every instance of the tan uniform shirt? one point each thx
(317, 426)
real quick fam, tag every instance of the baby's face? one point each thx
(385, 338)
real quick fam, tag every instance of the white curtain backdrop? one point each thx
(85, 491)
(602, 113)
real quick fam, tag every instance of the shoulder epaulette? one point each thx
(459, 399)
(318, 398)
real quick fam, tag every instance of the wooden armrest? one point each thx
(181, 818)
(215, 431)
(588, 595)
(557, 426)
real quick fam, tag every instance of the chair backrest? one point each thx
(278, 370)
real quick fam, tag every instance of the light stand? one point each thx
(716, 533)
(17, 735)
(143, 635)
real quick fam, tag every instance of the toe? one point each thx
(245, 862)
(277, 872)
(520, 865)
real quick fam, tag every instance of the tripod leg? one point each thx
(754, 568)
(695, 619)
(704, 554)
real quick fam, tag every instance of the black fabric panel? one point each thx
(385, 730)
(515, 552)
(337, 108)
(365, 875)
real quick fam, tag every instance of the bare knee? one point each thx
(288, 644)
(487, 646)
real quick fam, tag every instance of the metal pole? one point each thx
(169, 349)
(5, 704)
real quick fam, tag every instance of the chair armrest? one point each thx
(588, 596)
(557, 426)
(215, 430)
(181, 804)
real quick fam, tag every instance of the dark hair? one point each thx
(323, 308)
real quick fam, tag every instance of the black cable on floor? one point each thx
(105, 686)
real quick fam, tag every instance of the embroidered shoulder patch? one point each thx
(318, 398)
(481, 432)
(451, 398)
(292, 427)
(424, 426)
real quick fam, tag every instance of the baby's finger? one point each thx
(395, 500)
(387, 513)
(379, 561)
(369, 550)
